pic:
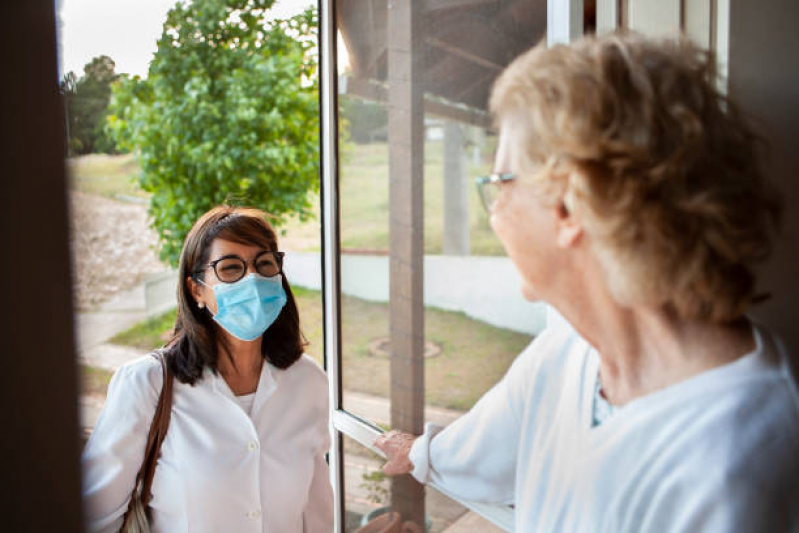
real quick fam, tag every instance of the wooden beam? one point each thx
(377, 92)
(464, 54)
(435, 5)
(406, 239)
(463, 115)
(476, 82)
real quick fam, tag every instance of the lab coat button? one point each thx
(254, 514)
(252, 446)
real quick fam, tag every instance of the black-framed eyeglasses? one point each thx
(231, 268)
(488, 187)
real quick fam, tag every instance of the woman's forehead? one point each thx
(221, 247)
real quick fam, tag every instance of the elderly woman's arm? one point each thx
(475, 456)
(115, 450)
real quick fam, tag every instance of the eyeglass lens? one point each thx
(233, 269)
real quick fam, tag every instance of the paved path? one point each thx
(96, 327)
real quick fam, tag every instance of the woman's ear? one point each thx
(569, 228)
(195, 289)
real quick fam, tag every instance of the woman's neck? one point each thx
(242, 378)
(643, 350)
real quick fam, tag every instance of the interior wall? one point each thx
(764, 78)
(39, 445)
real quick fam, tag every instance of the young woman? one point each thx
(247, 438)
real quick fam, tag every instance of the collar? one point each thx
(267, 384)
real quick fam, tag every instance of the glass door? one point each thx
(423, 312)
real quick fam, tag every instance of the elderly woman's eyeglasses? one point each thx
(488, 187)
(231, 268)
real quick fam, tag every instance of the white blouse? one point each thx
(718, 452)
(219, 469)
(245, 402)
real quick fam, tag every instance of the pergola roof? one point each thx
(466, 45)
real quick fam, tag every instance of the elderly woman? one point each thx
(629, 195)
(247, 433)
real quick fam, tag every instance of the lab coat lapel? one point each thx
(267, 384)
(219, 385)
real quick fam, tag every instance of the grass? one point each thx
(364, 198)
(473, 357)
(112, 176)
(94, 380)
(364, 201)
(148, 334)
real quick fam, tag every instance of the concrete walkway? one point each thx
(96, 327)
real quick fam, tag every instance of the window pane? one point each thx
(432, 312)
(367, 496)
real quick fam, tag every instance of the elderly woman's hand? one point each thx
(396, 445)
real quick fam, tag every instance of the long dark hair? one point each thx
(196, 338)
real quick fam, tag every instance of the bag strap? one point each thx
(155, 437)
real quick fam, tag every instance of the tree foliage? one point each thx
(86, 100)
(364, 121)
(228, 112)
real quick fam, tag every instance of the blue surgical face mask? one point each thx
(248, 307)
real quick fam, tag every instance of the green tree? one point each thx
(365, 121)
(86, 100)
(228, 112)
(67, 89)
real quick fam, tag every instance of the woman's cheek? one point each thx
(505, 226)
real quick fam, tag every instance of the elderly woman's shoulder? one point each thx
(549, 346)
(555, 355)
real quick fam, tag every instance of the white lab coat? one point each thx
(717, 452)
(220, 470)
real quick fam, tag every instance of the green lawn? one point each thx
(473, 355)
(364, 198)
(148, 334)
(112, 176)
(364, 201)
